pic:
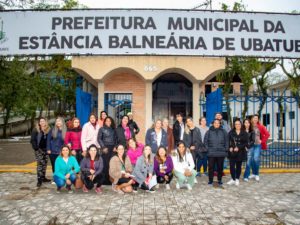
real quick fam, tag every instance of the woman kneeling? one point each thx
(66, 167)
(120, 170)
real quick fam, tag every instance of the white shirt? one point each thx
(158, 138)
(181, 131)
(187, 163)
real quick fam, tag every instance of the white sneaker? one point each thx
(53, 182)
(256, 177)
(231, 182)
(168, 187)
(237, 182)
(252, 176)
(157, 186)
(246, 179)
(188, 186)
(196, 182)
(177, 186)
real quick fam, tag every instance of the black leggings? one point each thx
(235, 169)
(212, 162)
(162, 180)
(98, 180)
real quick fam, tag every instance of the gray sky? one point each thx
(252, 5)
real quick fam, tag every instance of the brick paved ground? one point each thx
(274, 200)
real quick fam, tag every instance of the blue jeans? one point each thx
(253, 161)
(62, 182)
(202, 161)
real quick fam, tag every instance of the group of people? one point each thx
(100, 153)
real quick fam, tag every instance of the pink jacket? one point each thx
(89, 135)
(74, 138)
(135, 154)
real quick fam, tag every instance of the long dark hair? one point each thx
(249, 121)
(149, 156)
(238, 120)
(100, 118)
(111, 120)
(157, 156)
(179, 155)
(124, 154)
(122, 120)
(88, 156)
(65, 146)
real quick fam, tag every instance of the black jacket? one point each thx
(132, 124)
(197, 140)
(217, 143)
(240, 141)
(176, 132)
(120, 133)
(36, 138)
(107, 137)
(251, 139)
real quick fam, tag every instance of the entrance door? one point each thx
(172, 94)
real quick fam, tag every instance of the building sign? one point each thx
(149, 32)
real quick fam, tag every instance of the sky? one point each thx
(251, 5)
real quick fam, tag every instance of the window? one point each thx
(266, 119)
(278, 119)
(292, 115)
(231, 88)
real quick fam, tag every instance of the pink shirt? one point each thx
(135, 154)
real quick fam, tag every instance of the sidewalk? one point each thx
(273, 200)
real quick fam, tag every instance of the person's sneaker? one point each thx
(46, 180)
(231, 182)
(256, 177)
(198, 174)
(39, 183)
(151, 190)
(157, 186)
(84, 189)
(58, 190)
(252, 176)
(177, 186)
(246, 179)
(53, 182)
(168, 187)
(134, 189)
(69, 189)
(237, 182)
(98, 190)
(188, 186)
(196, 182)
(206, 174)
(210, 183)
(220, 183)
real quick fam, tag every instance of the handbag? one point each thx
(202, 149)
(78, 182)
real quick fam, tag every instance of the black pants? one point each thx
(162, 180)
(212, 162)
(106, 159)
(98, 180)
(78, 156)
(235, 169)
(52, 160)
(41, 160)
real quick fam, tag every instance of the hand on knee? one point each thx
(68, 182)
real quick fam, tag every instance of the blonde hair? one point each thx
(63, 128)
(187, 129)
(150, 161)
(38, 127)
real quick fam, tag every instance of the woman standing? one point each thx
(251, 140)
(39, 144)
(124, 132)
(217, 144)
(169, 131)
(156, 137)
(184, 167)
(73, 139)
(120, 170)
(143, 170)
(163, 167)
(238, 141)
(55, 140)
(261, 137)
(103, 115)
(91, 170)
(66, 167)
(135, 150)
(89, 133)
(107, 139)
(202, 159)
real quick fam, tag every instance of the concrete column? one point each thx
(148, 105)
(196, 96)
(100, 97)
